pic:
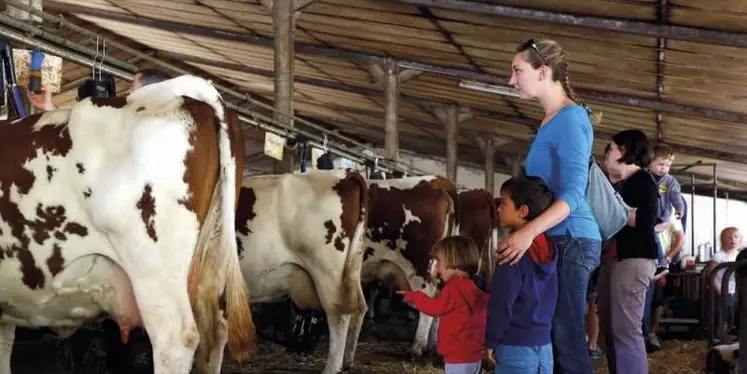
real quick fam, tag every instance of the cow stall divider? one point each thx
(724, 319)
(716, 311)
(50, 43)
(703, 252)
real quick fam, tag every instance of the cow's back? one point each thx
(309, 220)
(408, 216)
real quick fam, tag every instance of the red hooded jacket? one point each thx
(462, 309)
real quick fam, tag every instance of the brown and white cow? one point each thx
(301, 236)
(479, 221)
(126, 207)
(407, 217)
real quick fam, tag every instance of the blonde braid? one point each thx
(594, 116)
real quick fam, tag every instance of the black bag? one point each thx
(324, 162)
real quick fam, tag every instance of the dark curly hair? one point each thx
(529, 191)
(635, 146)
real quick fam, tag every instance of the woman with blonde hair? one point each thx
(560, 156)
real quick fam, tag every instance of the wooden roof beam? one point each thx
(530, 123)
(692, 34)
(652, 104)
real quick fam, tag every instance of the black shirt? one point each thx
(639, 191)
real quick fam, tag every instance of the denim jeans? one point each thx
(659, 251)
(513, 359)
(646, 327)
(654, 299)
(577, 258)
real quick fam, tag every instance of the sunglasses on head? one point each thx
(531, 44)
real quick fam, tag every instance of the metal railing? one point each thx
(717, 328)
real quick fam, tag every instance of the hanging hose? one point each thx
(304, 148)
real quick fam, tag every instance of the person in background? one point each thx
(147, 76)
(592, 318)
(43, 101)
(523, 297)
(630, 262)
(461, 306)
(731, 242)
(671, 200)
(560, 155)
(672, 238)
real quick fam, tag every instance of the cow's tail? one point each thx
(240, 325)
(457, 216)
(215, 277)
(456, 210)
(351, 281)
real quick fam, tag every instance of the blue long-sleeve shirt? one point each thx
(560, 155)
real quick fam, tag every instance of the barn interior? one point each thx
(415, 87)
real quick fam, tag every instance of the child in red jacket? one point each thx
(461, 305)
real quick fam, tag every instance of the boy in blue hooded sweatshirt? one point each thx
(523, 296)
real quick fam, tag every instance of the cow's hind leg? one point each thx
(420, 342)
(170, 325)
(7, 337)
(421, 335)
(357, 318)
(372, 294)
(339, 325)
(433, 338)
(209, 358)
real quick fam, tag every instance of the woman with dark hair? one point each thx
(629, 265)
(559, 155)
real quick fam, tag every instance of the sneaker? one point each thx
(652, 343)
(596, 352)
(660, 272)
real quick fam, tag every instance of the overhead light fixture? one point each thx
(479, 86)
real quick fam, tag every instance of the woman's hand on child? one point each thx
(513, 247)
(490, 357)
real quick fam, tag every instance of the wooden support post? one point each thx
(391, 91)
(452, 121)
(490, 165)
(389, 76)
(284, 27)
(517, 166)
(451, 116)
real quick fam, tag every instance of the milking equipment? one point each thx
(15, 99)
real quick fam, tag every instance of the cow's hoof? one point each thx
(347, 367)
(416, 354)
(368, 325)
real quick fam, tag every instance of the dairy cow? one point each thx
(407, 217)
(126, 207)
(301, 236)
(723, 359)
(479, 221)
